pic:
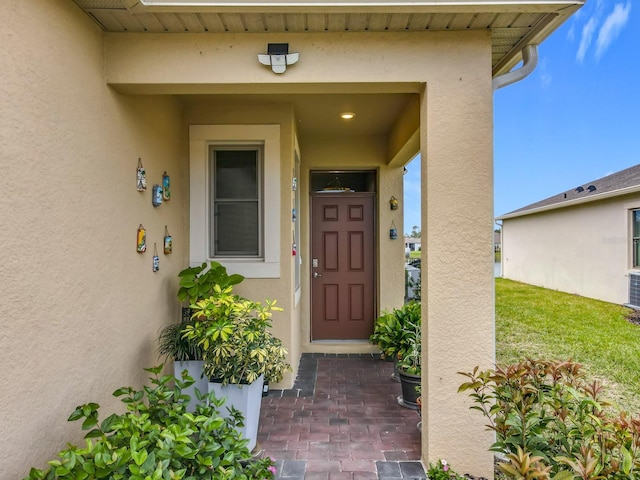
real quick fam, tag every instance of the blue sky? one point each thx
(576, 118)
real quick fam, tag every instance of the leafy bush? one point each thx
(197, 283)
(236, 338)
(551, 423)
(394, 331)
(157, 439)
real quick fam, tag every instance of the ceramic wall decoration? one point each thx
(166, 187)
(141, 177)
(168, 241)
(141, 240)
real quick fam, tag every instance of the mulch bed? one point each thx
(634, 317)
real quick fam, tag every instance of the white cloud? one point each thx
(612, 26)
(585, 40)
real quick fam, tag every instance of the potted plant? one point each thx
(390, 331)
(410, 366)
(239, 351)
(186, 355)
(196, 283)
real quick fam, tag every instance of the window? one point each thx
(235, 187)
(635, 221)
(252, 258)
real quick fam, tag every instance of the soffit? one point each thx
(513, 24)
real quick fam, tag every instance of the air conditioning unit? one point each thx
(634, 290)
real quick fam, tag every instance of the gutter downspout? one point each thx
(529, 63)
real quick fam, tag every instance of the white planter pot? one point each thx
(246, 399)
(194, 368)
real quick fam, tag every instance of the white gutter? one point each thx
(575, 201)
(529, 63)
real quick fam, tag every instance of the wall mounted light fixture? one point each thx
(278, 57)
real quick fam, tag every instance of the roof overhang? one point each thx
(570, 203)
(513, 23)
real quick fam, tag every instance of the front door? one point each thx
(342, 266)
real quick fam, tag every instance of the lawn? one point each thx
(539, 323)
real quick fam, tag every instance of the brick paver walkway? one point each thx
(341, 421)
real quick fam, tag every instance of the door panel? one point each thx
(343, 282)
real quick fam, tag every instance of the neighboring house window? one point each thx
(635, 219)
(236, 206)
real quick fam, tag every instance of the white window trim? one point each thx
(200, 137)
(298, 259)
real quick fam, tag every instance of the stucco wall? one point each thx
(457, 249)
(80, 308)
(584, 249)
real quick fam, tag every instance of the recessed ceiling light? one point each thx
(347, 115)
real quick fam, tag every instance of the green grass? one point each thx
(540, 323)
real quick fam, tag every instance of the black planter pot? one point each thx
(409, 383)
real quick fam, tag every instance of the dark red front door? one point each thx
(343, 267)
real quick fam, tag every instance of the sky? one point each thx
(575, 119)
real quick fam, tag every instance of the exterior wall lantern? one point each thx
(393, 203)
(278, 57)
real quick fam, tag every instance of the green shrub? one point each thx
(157, 439)
(395, 331)
(551, 423)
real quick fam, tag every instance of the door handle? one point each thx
(316, 275)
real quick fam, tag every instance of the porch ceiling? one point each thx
(319, 114)
(513, 23)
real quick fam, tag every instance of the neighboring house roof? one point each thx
(513, 23)
(620, 183)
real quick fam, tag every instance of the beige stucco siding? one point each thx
(583, 249)
(208, 63)
(80, 308)
(457, 247)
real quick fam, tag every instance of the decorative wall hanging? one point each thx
(168, 241)
(393, 203)
(156, 258)
(141, 177)
(166, 187)
(141, 240)
(393, 231)
(156, 195)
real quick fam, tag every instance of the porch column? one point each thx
(457, 258)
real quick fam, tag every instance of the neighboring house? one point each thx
(259, 160)
(412, 244)
(584, 240)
